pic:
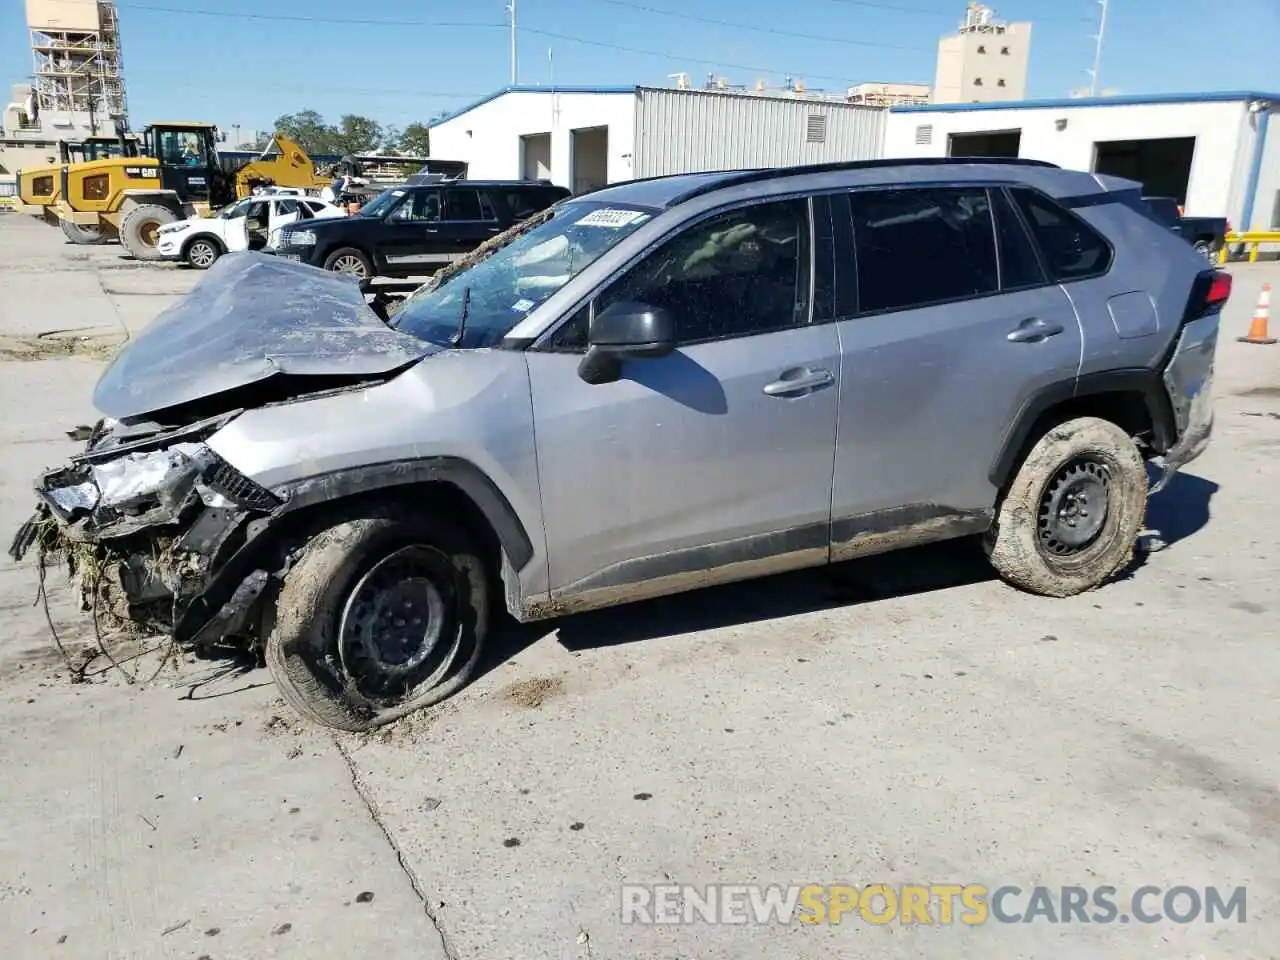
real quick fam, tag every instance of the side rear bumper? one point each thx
(1188, 378)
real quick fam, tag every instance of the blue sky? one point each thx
(407, 60)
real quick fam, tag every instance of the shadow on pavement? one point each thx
(1175, 513)
(905, 572)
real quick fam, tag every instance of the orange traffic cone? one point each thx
(1262, 314)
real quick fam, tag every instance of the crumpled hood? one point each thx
(252, 317)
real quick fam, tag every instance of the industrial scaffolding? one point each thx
(81, 70)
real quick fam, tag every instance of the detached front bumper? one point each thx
(146, 529)
(1188, 379)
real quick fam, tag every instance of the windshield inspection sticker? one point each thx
(611, 218)
(522, 306)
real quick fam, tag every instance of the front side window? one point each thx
(736, 274)
(1072, 249)
(422, 206)
(180, 148)
(921, 246)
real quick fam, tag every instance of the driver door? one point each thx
(714, 462)
(238, 231)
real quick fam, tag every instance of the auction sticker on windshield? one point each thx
(612, 218)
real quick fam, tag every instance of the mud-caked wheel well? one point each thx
(438, 496)
(1130, 410)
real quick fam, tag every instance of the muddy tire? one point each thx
(78, 233)
(379, 617)
(1073, 513)
(138, 230)
(349, 260)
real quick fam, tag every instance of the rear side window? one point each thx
(468, 205)
(525, 203)
(1072, 249)
(1019, 265)
(921, 246)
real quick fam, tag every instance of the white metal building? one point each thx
(1217, 153)
(584, 137)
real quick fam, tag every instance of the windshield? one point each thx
(381, 205)
(500, 290)
(233, 210)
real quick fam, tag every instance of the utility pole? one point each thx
(511, 9)
(1097, 49)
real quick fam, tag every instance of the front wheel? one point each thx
(140, 229)
(203, 252)
(379, 617)
(349, 260)
(1074, 511)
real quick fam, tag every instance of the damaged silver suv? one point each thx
(657, 386)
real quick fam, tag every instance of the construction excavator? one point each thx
(173, 173)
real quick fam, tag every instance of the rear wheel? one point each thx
(1073, 513)
(202, 252)
(83, 234)
(379, 617)
(349, 260)
(140, 230)
(1204, 248)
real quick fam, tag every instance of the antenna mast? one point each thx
(1097, 49)
(511, 8)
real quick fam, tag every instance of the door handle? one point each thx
(798, 380)
(1033, 330)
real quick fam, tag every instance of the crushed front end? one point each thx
(145, 520)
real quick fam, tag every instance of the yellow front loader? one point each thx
(178, 175)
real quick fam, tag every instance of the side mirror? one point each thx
(625, 330)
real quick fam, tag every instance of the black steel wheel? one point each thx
(1074, 507)
(379, 617)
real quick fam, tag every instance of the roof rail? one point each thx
(735, 178)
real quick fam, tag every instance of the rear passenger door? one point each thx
(470, 219)
(948, 324)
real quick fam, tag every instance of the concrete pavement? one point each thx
(907, 719)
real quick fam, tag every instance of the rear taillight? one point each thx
(1219, 290)
(1210, 291)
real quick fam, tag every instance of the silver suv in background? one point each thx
(658, 386)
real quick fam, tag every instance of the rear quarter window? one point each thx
(1072, 250)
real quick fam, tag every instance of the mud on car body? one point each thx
(280, 467)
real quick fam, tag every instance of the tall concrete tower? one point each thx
(78, 70)
(984, 60)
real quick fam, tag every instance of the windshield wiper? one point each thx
(456, 339)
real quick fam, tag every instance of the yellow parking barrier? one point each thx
(1252, 239)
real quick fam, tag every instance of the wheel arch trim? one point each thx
(1139, 381)
(469, 479)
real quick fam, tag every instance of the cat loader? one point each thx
(38, 188)
(178, 174)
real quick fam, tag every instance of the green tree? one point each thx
(309, 130)
(415, 140)
(355, 135)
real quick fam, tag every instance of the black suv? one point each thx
(415, 229)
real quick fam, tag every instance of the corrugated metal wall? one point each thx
(684, 131)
